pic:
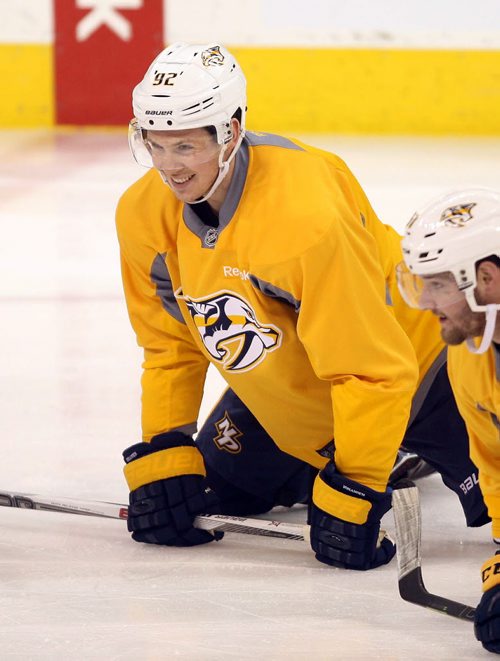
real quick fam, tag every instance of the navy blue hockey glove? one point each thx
(487, 617)
(168, 490)
(345, 522)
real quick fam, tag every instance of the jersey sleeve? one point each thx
(174, 369)
(354, 341)
(421, 326)
(483, 430)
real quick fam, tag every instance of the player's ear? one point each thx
(488, 277)
(235, 130)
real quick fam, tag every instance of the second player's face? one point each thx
(458, 321)
(188, 160)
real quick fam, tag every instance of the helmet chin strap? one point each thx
(491, 318)
(223, 170)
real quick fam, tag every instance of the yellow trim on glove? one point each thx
(164, 464)
(347, 508)
(490, 573)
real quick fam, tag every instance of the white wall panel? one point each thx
(460, 24)
(26, 22)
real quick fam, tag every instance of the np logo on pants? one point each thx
(228, 435)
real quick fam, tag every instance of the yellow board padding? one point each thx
(305, 90)
(164, 464)
(343, 506)
(373, 91)
(26, 72)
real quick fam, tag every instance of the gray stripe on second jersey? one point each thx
(427, 381)
(274, 292)
(493, 416)
(388, 297)
(164, 290)
(496, 353)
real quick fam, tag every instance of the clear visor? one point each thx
(169, 152)
(428, 292)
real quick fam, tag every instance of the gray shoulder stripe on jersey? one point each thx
(427, 381)
(388, 297)
(270, 139)
(274, 292)
(496, 353)
(493, 417)
(164, 290)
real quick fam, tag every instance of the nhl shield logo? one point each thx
(458, 215)
(231, 332)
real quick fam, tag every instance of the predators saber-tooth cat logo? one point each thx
(458, 215)
(212, 56)
(230, 331)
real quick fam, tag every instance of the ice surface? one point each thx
(78, 588)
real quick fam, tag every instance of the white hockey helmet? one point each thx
(450, 235)
(188, 87)
(191, 86)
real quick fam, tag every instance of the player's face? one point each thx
(188, 160)
(458, 322)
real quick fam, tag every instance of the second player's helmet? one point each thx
(452, 234)
(190, 86)
(449, 236)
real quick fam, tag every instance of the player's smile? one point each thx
(179, 182)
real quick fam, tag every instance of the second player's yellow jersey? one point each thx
(286, 297)
(476, 383)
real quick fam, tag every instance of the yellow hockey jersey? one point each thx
(286, 297)
(475, 379)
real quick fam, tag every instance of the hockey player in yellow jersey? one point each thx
(452, 267)
(263, 257)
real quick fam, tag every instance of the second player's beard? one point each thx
(471, 324)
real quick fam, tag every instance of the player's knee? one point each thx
(235, 501)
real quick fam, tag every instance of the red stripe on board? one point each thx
(101, 52)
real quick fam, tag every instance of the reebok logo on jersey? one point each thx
(234, 272)
(230, 331)
(227, 435)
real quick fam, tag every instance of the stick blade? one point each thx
(413, 590)
(407, 517)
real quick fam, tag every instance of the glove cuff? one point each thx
(169, 439)
(168, 455)
(490, 572)
(348, 500)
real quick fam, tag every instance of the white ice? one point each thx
(79, 588)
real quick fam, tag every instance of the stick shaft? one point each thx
(102, 509)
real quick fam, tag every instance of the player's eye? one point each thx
(185, 148)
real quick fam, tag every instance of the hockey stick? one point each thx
(222, 522)
(408, 520)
